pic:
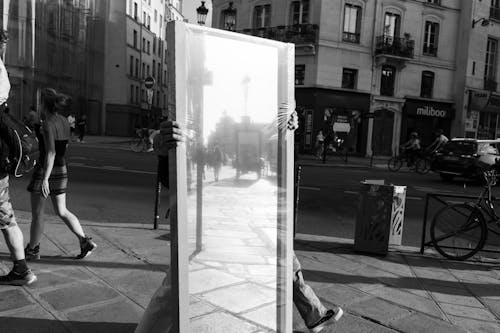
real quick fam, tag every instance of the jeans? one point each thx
(158, 315)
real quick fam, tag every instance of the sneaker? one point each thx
(86, 247)
(32, 253)
(323, 322)
(16, 279)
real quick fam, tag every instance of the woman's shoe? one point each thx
(87, 245)
(32, 253)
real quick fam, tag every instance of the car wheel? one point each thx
(446, 177)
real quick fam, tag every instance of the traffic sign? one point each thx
(149, 82)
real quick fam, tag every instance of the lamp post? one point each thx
(202, 13)
(484, 22)
(229, 15)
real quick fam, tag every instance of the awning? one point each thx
(485, 101)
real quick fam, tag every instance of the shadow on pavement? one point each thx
(416, 283)
(70, 261)
(23, 325)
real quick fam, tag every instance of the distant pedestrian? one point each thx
(82, 126)
(72, 125)
(50, 176)
(319, 146)
(20, 273)
(216, 159)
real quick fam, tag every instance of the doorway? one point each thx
(383, 125)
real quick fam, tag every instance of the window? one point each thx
(149, 22)
(137, 95)
(431, 38)
(349, 78)
(161, 21)
(495, 9)
(228, 21)
(143, 70)
(427, 84)
(149, 2)
(135, 11)
(154, 45)
(144, 18)
(387, 81)
(165, 77)
(157, 98)
(143, 97)
(144, 44)
(262, 16)
(156, 15)
(147, 70)
(490, 64)
(131, 93)
(435, 2)
(299, 12)
(300, 73)
(352, 23)
(154, 68)
(136, 67)
(159, 74)
(131, 65)
(135, 39)
(392, 24)
(149, 47)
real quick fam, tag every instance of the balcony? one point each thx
(490, 84)
(304, 36)
(495, 13)
(395, 46)
(350, 37)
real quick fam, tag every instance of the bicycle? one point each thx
(141, 143)
(419, 164)
(460, 230)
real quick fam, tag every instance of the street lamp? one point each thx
(229, 15)
(484, 22)
(202, 12)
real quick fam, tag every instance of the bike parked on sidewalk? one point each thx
(459, 230)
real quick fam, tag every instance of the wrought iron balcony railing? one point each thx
(490, 84)
(495, 13)
(396, 46)
(297, 34)
(350, 37)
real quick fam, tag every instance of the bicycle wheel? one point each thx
(394, 163)
(137, 145)
(423, 166)
(458, 231)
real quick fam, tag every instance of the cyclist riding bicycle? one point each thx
(438, 143)
(411, 148)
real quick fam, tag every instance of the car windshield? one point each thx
(460, 147)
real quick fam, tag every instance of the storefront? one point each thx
(425, 117)
(340, 113)
(483, 117)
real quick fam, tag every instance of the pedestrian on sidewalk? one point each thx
(158, 314)
(72, 126)
(20, 274)
(82, 126)
(318, 147)
(50, 176)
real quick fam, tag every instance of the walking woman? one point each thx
(50, 176)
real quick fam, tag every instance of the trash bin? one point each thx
(380, 216)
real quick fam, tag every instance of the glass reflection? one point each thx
(232, 183)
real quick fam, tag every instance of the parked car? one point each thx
(465, 158)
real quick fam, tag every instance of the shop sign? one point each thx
(428, 109)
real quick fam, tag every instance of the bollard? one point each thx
(157, 199)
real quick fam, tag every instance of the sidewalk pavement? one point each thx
(108, 291)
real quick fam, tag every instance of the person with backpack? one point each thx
(51, 178)
(20, 274)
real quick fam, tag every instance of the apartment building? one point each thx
(367, 72)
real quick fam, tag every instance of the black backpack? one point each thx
(23, 150)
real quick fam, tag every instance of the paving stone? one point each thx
(199, 308)
(208, 279)
(219, 322)
(31, 320)
(121, 311)
(408, 300)
(379, 310)
(78, 294)
(456, 296)
(52, 279)
(421, 323)
(340, 294)
(13, 299)
(476, 325)
(353, 324)
(467, 311)
(264, 316)
(241, 297)
(493, 305)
